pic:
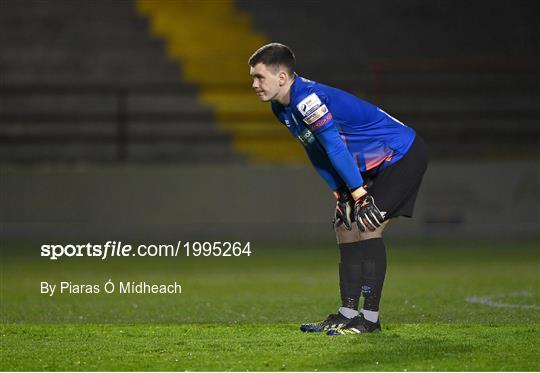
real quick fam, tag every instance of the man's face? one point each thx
(267, 81)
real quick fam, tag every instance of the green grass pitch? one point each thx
(243, 313)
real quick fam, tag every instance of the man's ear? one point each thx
(282, 77)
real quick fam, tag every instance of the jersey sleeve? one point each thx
(314, 111)
(322, 165)
(340, 157)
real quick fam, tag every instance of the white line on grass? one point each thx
(492, 300)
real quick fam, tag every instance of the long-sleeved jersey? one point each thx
(343, 135)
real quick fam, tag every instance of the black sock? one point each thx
(350, 274)
(373, 272)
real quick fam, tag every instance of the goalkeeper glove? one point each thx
(344, 209)
(367, 214)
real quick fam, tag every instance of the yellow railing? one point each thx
(212, 41)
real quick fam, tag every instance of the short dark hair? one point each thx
(274, 54)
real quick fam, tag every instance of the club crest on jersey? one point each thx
(309, 104)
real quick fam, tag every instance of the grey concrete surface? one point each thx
(265, 203)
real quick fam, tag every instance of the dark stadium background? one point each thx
(103, 136)
(134, 121)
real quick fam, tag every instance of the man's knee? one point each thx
(355, 234)
(345, 236)
(377, 233)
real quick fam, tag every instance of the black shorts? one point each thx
(395, 187)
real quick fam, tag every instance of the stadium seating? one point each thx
(83, 81)
(167, 81)
(213, 41)
(472, 91)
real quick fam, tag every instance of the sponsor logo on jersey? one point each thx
(316, 115)
(306, 137)
(309, 104)
(321, 122)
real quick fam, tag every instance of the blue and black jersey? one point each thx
(343, 135)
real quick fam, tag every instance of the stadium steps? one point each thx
(165, 127)
(490, 114)
(401, 57)
(199, 35)
(72, 70)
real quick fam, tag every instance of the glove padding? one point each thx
(344, 209)
(367, 214)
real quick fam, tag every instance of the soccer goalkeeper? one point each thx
(373, 163)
